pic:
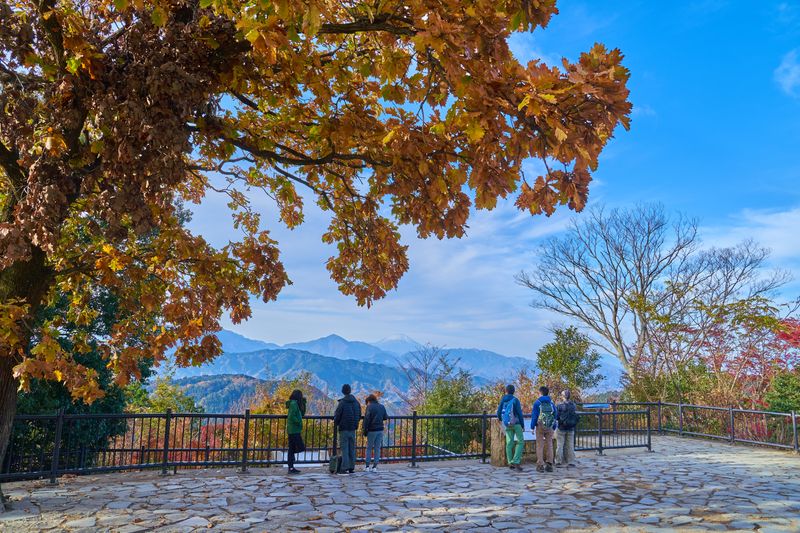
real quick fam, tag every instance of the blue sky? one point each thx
(715, 135)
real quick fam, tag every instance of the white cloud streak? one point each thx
(787, 75)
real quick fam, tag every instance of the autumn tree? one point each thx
(388, 113)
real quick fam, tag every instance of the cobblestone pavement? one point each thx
(685, 485)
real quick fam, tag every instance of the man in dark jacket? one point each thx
(345, 419)
(509, 412)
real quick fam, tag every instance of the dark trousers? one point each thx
(347, 441)
(296, 445)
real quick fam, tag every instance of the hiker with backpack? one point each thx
(345, 420)
(543, 421)
(509, 412)
(296, 409)
(565, 434)
(372, 427)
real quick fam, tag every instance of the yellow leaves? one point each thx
(261, 44)
(55, 144)
(388, 137)
(312, 21)
(121, 5)
(159, 17)
(97, 146)
(474, 131)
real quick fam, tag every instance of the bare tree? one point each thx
(605, 266)
(422, 367)
(639, 281)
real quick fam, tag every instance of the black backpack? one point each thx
(568, 418)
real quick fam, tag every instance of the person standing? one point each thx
(565, 434)
(345, 420)
(374, 417)
(544, 422)
(509, 412)
(296, 409)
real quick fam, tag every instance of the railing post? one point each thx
(614, 417)
(649, 432)
(599, 433)
(660, 428)
(483, 438)
(731, 418)
(680, 419)
(414, 439)
(246, 439)
(165, 456)
(57, 447)
(794, 433)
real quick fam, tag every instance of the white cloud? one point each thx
(643, 110)
(787, 75)
(773, 229)
(458, 293)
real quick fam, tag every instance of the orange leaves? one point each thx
(383, 113)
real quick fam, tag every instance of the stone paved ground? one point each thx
(686, 485)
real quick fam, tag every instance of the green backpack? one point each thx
(547, 414)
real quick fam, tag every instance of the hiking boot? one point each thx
(571, 465)
(519, 468)
(549, 467)
(539, 468)
(294, 471)
(560, 465)
(351, 471)
(512, 466)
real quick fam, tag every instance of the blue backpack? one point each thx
(509, 417)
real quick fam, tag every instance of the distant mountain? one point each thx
(388, 353)
(233, 393)
(488, 365)
(235, 343)
(612, 371)
(328, 373)
(341, 348)
(398, 344)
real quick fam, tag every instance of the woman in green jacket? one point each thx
(296, 406)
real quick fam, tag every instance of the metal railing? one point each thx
(729, 424)
(612, 430)
(54, 445)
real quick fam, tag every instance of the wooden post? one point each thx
(794, 432)
(733, 431)
(680, 419)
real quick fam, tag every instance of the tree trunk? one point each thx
(29, 282)
(8, 408)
